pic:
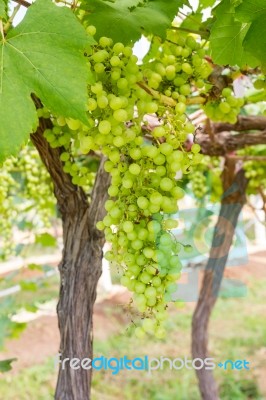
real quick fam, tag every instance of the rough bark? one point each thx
(216, 139)
(80, 267)
(244, 123)
(231, 206)
(224, 142)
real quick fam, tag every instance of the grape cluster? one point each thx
(68, 134)
(7, 211)
(224, 109)
(198, 182)
(143, 162)
(179, 67)
(25, 185)
(255, 170)
(205, 179)
(36, 187)
(143, 192)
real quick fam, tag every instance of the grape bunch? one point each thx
(25, 185)
(179, 67)
(67, 134)
(143, 191)
(255, 170)
(34, 175)
(205, 179)
(224, 109)
(20, 177)
(198, 182)
(8, 212)
(143, 162)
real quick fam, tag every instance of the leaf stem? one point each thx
(2, 30)
(11, 18)
(200, 33)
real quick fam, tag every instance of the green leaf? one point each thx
(205, 4)
(5, 329)
(17, 329)
(35, 267)
(28, 286)
(125, 20)
(227, 36)
(42, 55)
(255, 42)
(250, 10)
(46, 240)
(255, 12)
(154, 47)
(2, 9)
(193, 22)
(5, 365)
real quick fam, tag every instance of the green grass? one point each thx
(37, 382)
(237, 331)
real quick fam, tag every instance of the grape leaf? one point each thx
(250, 10)
(2, 9)
(5, 365)
(28, 286)
(193, 21)
(205, 4)
(227, 35)
(255, 12)
(254, 41)
(125, 20)
(42, 55)
(46, 240)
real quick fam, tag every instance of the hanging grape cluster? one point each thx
(205, 180)
(7, 211)
(224, 109)
(25, 185)
(143, 161)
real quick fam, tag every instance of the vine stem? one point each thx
(23, 3)
(200, 33)
(168, 101)
(247, 158)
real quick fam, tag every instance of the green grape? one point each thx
(166, 184)
(224, 107)
(104, 127)
(143, 202)
(134, 169)
(180, 108)
(120, 115)
(186, 67)
(102, 101)
(91, 30)
(73, 124)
